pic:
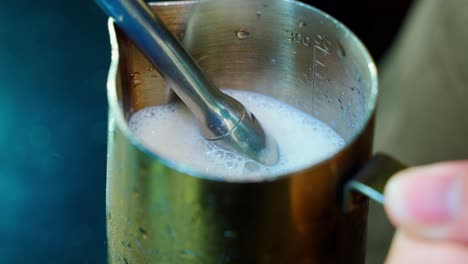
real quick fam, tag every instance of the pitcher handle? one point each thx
(371, 179)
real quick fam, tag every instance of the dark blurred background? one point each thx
(54, 57)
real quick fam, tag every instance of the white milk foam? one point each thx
(172, 132)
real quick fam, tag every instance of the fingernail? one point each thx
(430, 200)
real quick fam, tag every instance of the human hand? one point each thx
(429, 207)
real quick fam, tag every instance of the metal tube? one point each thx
(222, 119)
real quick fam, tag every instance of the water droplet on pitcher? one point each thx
(143, 232)
(242, 34)
(136, 83)
(341, 51)
(259, 13)
(302, 24)
(135, 76)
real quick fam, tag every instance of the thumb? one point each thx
(430, 202)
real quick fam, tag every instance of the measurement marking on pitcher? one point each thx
(299, 38)
(319, 63)
(322, 48)
(318, 40)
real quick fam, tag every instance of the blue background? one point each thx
(54, 57)
(53, 66)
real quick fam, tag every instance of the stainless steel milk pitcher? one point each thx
(159, 211)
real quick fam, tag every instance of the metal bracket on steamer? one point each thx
(371, 179)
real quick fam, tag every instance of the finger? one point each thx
(406, 249)
(431, 201)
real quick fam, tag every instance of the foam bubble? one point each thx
(172, 132)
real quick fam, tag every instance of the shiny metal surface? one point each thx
(372, 178)
(162, 212)
(222, 119)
